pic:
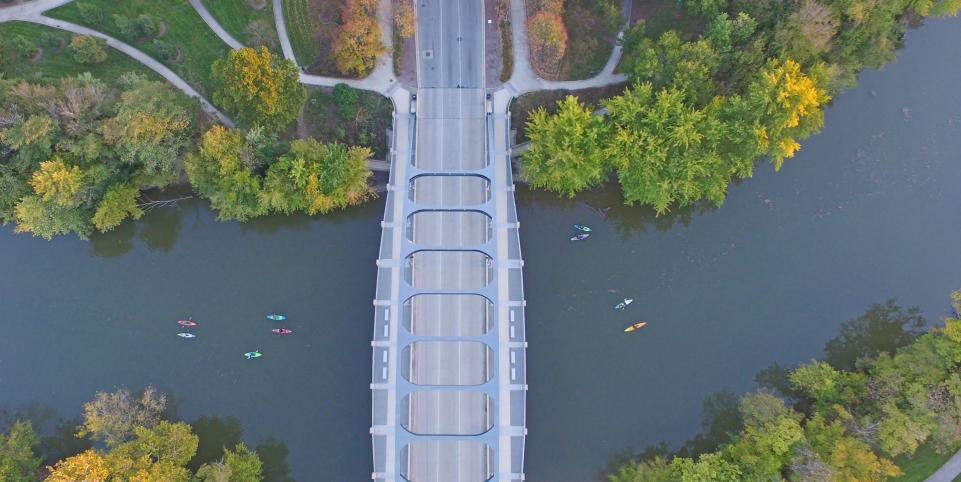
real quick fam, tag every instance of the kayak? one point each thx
(276, 317)
(187, 322)
(580, 237)
(282, 331)
(623, 304)
(581, 227)
(635, 326)
(253, 354)
(186, 335)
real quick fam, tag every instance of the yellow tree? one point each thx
(404, 20)
(357, 43)
(87, 466)
(58, 183)
(788, 105)
(548, 40)
(259, 87)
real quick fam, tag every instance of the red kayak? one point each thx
(282, 331)
(187, 322)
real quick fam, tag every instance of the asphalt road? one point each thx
(450, 43)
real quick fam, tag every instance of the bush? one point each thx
(24, 48)
(91, 14)
(346, 98)
(136, 28)
(165, 50)
(50, 40)
(88, 49)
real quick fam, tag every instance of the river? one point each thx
(869, 209)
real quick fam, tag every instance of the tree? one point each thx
(150, 131)
(90, 13)
(708, 467)
(404, 20)
(807, 33)
(655, 470)
(788, 105)
(58, 183)
(156, 453)
(317, 178)
(259, 87)
(244, 464)
(566, 154)
(88, 49)
(112, 417)
(218, 173)
(88, 466)
(707, 8)
(346, 98)
(48, 219)
(881, 329)
(119, 203)
(664, 150)
(18, 461)
(357, 43)
(32, 138)
(673, 62)
(548, 40)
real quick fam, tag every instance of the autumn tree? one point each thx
(238, 465)
(807, 33)
(112, 417)
(788, 105)
(566, 154)
(357, 43)
(548, 40)
(259, 87)
(87, 466)
(88, 49)
(404, 20)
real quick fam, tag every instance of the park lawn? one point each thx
(922, 464)
(311, 26)
(56, 63)
(235, 16)
(198, 46)
(367, 128)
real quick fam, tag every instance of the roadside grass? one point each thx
(366, 127)
(590, 40)
(523, 105)
(300, 29)
(197, 47)
(922, 464)
(240, 20)
(507, 39)
(57, 62)
(311, 26)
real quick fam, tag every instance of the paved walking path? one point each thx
(380, 80)
(524, 79)
(215, 25)
(949, 471)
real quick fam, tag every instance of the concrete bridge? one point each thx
(449, 373)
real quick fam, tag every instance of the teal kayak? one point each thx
(276, 317)
(253, 354)
(581, 227)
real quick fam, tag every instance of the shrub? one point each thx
(88, 49)
(346, 98)
(91, 14)
(165, 50)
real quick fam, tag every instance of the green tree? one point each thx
(88, 49)
(47, 219)
(673, 62)
(346, 98)
(655, 470)
(157, 453)
(119, 203)
(259, 87)
(566, 154)
(18, 460)
(707, 8)
(318, 178)
(32, 138)
(151, 130)
(808, 32)
(90, 13)
(708, 468)
(218, 173)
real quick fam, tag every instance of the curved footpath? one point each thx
(951, 470)
(215, 25)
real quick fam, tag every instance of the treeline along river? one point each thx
(869, 209)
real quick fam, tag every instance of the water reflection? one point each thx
(57, 434)
(215, 434)
(273, 454)
(607, 202)
(158, 229)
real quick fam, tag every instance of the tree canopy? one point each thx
(259, 87)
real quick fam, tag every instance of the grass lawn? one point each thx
(925, 462)
(366, 127)
(197, 46)
(311, 25)
(57, 62)
(251, 26)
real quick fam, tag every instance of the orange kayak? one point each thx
(635, 326)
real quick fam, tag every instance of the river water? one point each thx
(869, 209)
